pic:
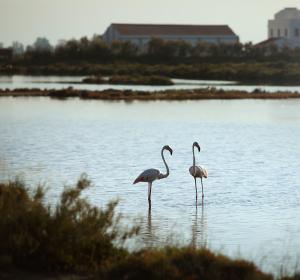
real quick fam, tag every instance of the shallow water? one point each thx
(61, 82)
(251, 149)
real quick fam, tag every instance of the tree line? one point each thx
(96, 50)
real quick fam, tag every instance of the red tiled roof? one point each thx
(173, 30)
(268, 41)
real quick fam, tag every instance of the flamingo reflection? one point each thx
(199, 228)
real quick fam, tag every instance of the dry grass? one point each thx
(129, 95)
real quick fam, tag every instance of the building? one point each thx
(284, 29)
(141, 34)
(279, 42)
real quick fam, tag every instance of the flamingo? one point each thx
(151, 175)
(197, 171)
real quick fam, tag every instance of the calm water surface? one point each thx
(60, 82)
(251, 149)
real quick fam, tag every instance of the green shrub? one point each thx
(294, 277)
(184, 263)
(75, 236)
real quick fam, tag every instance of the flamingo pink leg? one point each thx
(149, 194)
(196, 189)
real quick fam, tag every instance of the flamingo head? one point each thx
(195, 144)
(167, 147)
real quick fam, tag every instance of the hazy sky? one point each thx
(25, 20)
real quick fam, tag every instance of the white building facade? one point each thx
(141, 34)
(286, 25)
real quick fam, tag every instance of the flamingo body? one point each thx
(198, 171)
(151, 175)
(148, 176)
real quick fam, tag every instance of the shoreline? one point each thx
(130, 95)
(243, 71)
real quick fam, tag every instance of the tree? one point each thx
(17, 48)
(155, 46)
(162, 50)
(42, 44)
(67, 50)
(40, 52)
(98, 49)
(202, 49)
(124, 50)
(182, 49)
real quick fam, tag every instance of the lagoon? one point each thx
(62, 82)
(251, 149)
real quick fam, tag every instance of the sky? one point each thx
(25, 20)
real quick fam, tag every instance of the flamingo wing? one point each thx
(203, 171)
(198, 171)
(148, 175)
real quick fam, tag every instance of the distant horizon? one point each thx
(24, 21)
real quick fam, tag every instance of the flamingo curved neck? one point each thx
(167, 167)
(194, 159)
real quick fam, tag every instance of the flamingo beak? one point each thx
(197, 145)
(168, 148)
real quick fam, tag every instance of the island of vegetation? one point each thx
(76, 240)
(130, 95)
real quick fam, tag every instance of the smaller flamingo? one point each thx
(151, 175)
(197, 171)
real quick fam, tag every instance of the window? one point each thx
(271, 33)
(278, 32)
(285, 32)
(296, 32)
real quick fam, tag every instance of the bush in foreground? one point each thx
(184, 263)
(74, 236)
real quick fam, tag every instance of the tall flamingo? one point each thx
(197, 171)
(151, 175)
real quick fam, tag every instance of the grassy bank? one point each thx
(272, 72)
(76, 238)
(129, 95)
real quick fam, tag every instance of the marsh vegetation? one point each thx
(130, 95)
(76, 237)
(267, 72)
